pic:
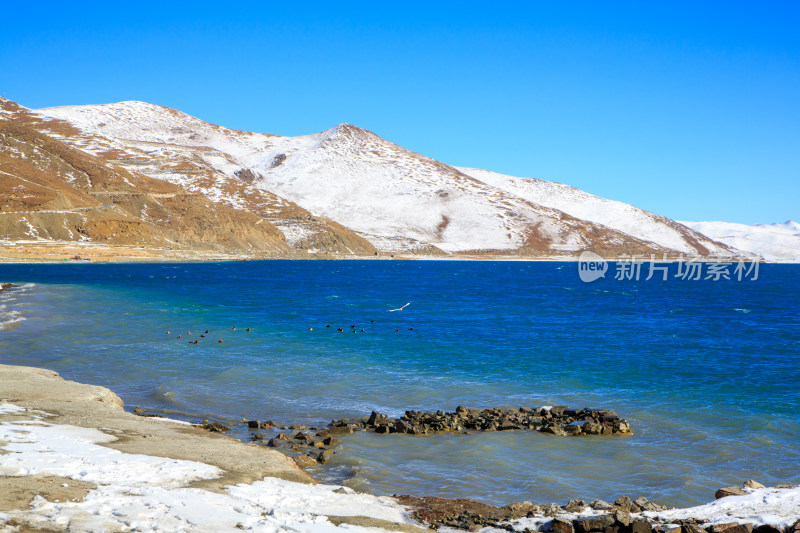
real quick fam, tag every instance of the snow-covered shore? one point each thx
(72, 459)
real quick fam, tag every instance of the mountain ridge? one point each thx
(349, 192)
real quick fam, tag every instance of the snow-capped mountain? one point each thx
(347, 190)
(773, 242)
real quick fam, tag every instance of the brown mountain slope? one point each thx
(184, 167)
(49, 190)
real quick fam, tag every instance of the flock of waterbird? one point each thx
(202, 335)
(353, 328)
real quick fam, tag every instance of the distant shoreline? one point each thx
(66, 253)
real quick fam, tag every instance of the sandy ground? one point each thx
(90, 406)
(57, 252)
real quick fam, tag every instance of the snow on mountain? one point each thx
(773, 242)
(610, 213)
(393, 199)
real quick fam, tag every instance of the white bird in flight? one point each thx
(400, 308)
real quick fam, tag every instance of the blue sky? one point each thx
(687, 109)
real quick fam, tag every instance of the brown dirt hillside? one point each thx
(203, 220)
(50, 190)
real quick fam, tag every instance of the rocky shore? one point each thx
(72, 459)
(577, 516)
(555, 420)
(311, 446)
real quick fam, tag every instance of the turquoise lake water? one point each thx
(707, 372)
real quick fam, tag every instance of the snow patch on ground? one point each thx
(777, 507)
(139, 492)
(579, 204)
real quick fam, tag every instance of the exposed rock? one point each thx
(622, 517)
(304, 461)
(554, 429)
(561, 525)
(324, 456)
(641, 526)
(692, 528)
(593, 523)
(600, 505)
(520, 508)
(575, 506)
(564, 422)
(729, 491)
(753, 484)
(731, 527)
(645, 505)
(257, 424)
(377, 419)
(214, 427)
(768, 529)
(626, 504)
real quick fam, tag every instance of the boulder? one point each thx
(324, 456)
(560, 525)
(767, 529)
(724, 492)
(377, 419)
(341, 430)
(592, 428)
(731, 527)
(641, 526)
(520, 508)
(645, 505)
(622, 517)
(304, 461)
(592, 523)
(753, 484)
(626, 504)
(575, 506)
(553, 429)
(551, 509)
(667, 529)
(692, 528)
(600, 505)
(574, 429)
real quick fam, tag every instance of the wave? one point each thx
(10, 319)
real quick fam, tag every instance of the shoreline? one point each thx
(47, 493)
(57, 252)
